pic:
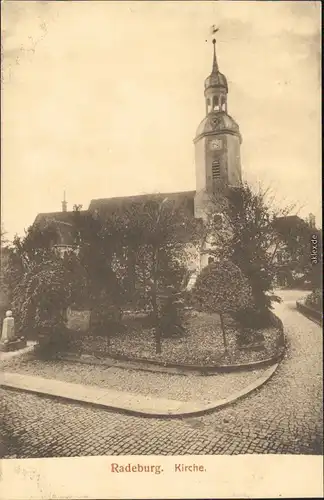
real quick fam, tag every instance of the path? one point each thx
(284, 416)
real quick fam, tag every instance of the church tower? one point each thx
(217, 144)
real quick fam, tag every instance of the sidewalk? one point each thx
(123, 401)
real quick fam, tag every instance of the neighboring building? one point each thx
(218, 167)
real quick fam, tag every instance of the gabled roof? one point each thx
(44, 218)
(64, 222)
(110, 205)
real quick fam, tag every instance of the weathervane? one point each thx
(213, 31)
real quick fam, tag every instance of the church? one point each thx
(217, 162)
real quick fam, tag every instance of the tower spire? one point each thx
(213, 31)
(216, 83)
(215, 64)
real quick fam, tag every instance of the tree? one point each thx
(40, 282)
(135, 252)
(97, 243)
(296, 239)
(3, 239)
(249, 238)
(35, 247)
(43, 295)
(153, 235)
(222, 288)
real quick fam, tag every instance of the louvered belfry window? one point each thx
(216, 169)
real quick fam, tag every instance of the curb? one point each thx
(98, 358)
(123, 362)
(309, 312)
(186, 412)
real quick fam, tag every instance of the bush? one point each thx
(253, 318)
(171, 314)
(41, 299)
(51, 341)
(314, 300)
(221, 287)
(105, 316)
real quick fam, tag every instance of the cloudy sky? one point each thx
(103, 99)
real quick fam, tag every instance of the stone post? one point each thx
(8, 328)
(9, 340)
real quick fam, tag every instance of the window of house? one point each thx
(210, 260)
(216, 169)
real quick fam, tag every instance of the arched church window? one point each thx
(216, 169)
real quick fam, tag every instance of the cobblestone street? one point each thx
(283, 416)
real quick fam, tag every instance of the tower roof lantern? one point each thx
(216, 78)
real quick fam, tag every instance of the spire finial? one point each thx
(215, 65)
(214, 30)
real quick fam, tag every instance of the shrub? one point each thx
(41, 299)
(105, 316)
(253, 318)
(171, 314)
(314, 300)
(222, 288)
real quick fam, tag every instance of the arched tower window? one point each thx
(208, 105)
(216, 169)
(223, 105)
(215, 103)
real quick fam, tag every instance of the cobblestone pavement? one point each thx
(283, 416)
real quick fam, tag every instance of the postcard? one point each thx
(161, 242)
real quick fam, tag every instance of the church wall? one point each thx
(200, 165)
(233, 160)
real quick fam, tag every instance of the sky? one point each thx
(103, 99)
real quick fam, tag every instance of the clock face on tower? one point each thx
(215, 144)
(215, 122)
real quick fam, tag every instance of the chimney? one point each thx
(64, 203)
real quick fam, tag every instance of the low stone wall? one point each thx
(309, 312)
(14, 345)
